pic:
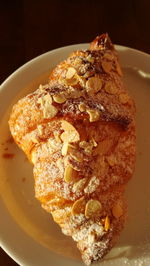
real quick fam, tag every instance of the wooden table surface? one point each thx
(32, 27)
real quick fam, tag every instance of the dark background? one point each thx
(31, 27)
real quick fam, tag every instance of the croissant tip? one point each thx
(102, 42)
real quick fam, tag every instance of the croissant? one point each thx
(79, 132)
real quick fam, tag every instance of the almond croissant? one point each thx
(79, 132)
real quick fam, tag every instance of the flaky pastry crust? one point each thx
(79, 132)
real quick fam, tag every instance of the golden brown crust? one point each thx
(79, 132)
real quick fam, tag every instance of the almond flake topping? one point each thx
(66, 126)
(107, 223)
(93, 85)
(69, 174)
(59, 98)
(77, 62)
(57, 216)
(92, 185)
(60, 215)
(79, 186)
(77, 156)
(93, 208)
(82, 107)
(88, 146)
(79, 206)
(70, 134)
(90, 59)
(94, 115)
(70, 73)
(49, 111)
(45, 100)
(66, 148)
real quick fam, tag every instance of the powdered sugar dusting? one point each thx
(92, 185)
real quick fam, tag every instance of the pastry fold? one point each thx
(79, 132)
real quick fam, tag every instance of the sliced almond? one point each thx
(59, 98)
(72, 82)
(88, 146)
(66, 126)
(61, 215)
(124, 98)
(64, 149)
(92, 237)
(93, 208)
(52, 144)
(94, 115)
(93, 85)
(110, 88)
(90, 58)
(34, 157)
(82, 81)
(82, 107)
(92, 185)
(49, 111)
(79, 206)
(70, 134)
(77, 62)
(77, 156)
(107, 66)
(117, 209)
(70, 73)
(58, 216)
(107, 223)
(45, 99)
(83, 144)
(34, 138)
(57, 136)
(69, 174)
(79, 186)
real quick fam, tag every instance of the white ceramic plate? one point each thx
(27, 232)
